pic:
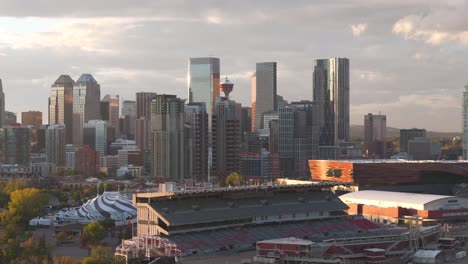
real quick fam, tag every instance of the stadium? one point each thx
(437, 177)
(220, 221)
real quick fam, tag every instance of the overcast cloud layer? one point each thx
(408, 58)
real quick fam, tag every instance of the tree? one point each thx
(94, 232)
(25, 204)
(99, 255)
(15, 184)
(107, 224)
(234, 179)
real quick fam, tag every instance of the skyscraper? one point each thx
(15, 147)
(263, 92)
(143, 106)
(298, 138)
(114, 111)
(55, 144)
(226, 137)
(61, 104)
(2, 105)
(167, 147)
(331, 93)
(99, 134)
(375, 131)
(465, 123)
(86, 105)
(203, 82)
(196, 141)
(129, 112)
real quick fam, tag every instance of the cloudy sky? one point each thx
(408, 58)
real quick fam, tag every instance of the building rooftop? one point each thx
(395, 199)
(64, 79)
(86, 78)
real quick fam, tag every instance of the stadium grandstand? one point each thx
(220, 220)
(435, 177)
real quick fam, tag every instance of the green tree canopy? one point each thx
(94, 232)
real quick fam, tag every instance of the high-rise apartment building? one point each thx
(61, 104)
(375, 131)
(465, 123)
(167, 147)
(264, 97)
(15, 147)
(226, 137)
(331, 93)
(114, 111)
(129, 113)
(86, 105)
(298, 138)
(99, 134)
(409, 134)
(143, 106)
(56, 144)
(203, 82)
(2, 105)
(196, 142)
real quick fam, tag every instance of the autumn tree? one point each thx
(234, 179)
(94, 232)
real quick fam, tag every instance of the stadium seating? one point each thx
(206, 242)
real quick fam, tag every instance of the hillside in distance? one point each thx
(357, 131)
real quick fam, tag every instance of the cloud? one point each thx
(441, 24)
(358, 29)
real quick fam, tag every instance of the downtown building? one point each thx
(409, 134)
(56, 145)
(203, 83)
(226, 138)
(375, 131)
(86, 105)
(15, 147)
(129, 113)
(167, 144)
(61, 105)
(112, 113)
(298, 138)
(331, 94)
(143, 120)
(196, 141)
(264, 94)
(99, 134)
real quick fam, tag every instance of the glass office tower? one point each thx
(203, 83)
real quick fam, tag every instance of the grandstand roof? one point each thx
(214, 209)
(400, 199)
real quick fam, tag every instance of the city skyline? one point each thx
(390, 55)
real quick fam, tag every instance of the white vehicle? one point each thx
(93, 180)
